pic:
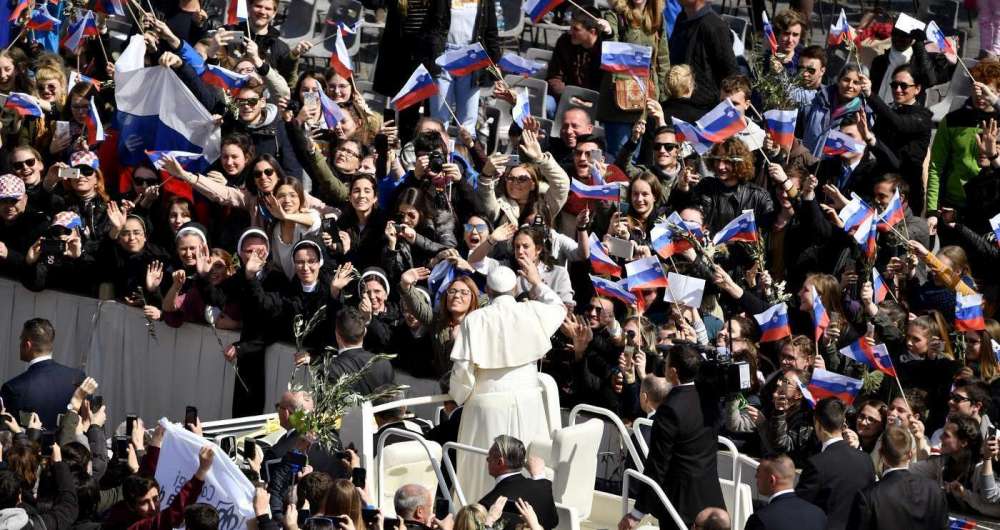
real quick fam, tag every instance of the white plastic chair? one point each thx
(572, 455)
(417, 461)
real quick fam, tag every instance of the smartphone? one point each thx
(59, 418)
(321, 523)
(388, 114)
(249, 448)
(190, 415)
(47, 441)
(24, 418)
(513, 160)
(390, 522)
(119, 448)
(991, 432)
(296, 459)
(130, 424)
(69, 173)
(596, 155)
(369, 515)
(228, 445)
(96, 402)
(623, 203)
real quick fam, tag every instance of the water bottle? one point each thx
(501, 24)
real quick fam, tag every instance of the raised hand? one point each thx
(154, 276)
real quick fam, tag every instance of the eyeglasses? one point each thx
(868, 419)
(247, 102)
(48, 86)
(477, 227)
(899, 85)
(28, 162)
(958, 398)
(86, 171)
(669, 146)
(595, 308)
(519, 179)
(257, 173)
(348, 152)
(461, 293)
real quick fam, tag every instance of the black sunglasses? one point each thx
(900, 85)
(86, 171)
(29, 162)
(669, 146)
(261, 172)
(958, 398)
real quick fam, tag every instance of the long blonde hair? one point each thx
(649, 17)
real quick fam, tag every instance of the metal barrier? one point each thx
(451, 467)
(631, 473)
(613, 418)
(368, 421)
(423, 443)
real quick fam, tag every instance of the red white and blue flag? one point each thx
(76, 77)
(781, 126)
(332, 113)
(340, 59)
(855, 213)
(625, 58)
(774, 323)
(600, 262)
(227, 80)
(236, 11)
(723, 121)
(23, 104)
(742, 228)
(345, 28)
(418, 87)
(995, 226)
(821, 320)
(893, 214)
(522, 109)
(95, 129)
(537, 9)
(840, 31)
(465, 60)
(687, 132)
(41, 20)
(936, 36)
(186, 159)
(512, 63)
(876, 357)
(955, 523)
(645, 273)
(807, 395)
(880, 289)
(969, 312)
(109, 7)
(838, 143)
(826, 384)
(867, 238)
(18, 9)
(85, 27)
(611, 289)
(769, 33)
(666, 242)
(601, 192)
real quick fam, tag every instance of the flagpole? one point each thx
(581, 8)
(18, 37)
(103, 51)
(138, 25)
(321, 41)
(444, 100)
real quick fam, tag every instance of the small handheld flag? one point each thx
(841, 31)
(23, 104)
(969, 312)
(517, 65)
(186, 159)
(645, 273)
(340, 59)
(876, 357)
(781, 126)
(625, 58)
(821, 320)
(721, 122)
(465, 60)
(687, 132)
(879, 288)
(893, 214)
(666, 242)
(236, 11)
(95, 129)
(826, 384)
(18, 9)
(418, 87)
(41, 20)
(742, 228)
(85, 27)
(603, 192)
(838, 143)
(769, 33)
(522, 106)
(220, 77)
(610, 289)
(995, 225)
(600, 262)
(109, 7)
(537, 9)
(935, 35)
(855, 213)
(773, 323)
(332, 113)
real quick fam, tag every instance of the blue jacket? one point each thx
(818, 120)
(45, 387)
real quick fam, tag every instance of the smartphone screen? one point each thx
(130, 424)
(190, 415)
(249, 448)
(24, 418)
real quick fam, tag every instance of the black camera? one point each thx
(721, 373)
(330, 220)
(53, 246)
(435, 162)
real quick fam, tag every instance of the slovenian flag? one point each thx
(826, 384)
(95, 129)
(893, 214)
(512, 63)
(332, 113)
(855, 213)
(774, 323)
(227, 80)
(936, 36)
(465, 60)
(418, 87)
(23, 104)
(867, 236)
(522, 108)
(742, 228)
(840, 31)
(186, 159)
(41, 20)
(76, 77)
(955, 523)
(610, 289)
(721, 122)
(995, 225)
(687, 132)
(769, 33)
(85, 27)
(875, 357)
(601, 192)
(666, 242)
(340, 59)
(807, 395)
(969, 312)
(345, 29)
(821, 320)
(625, 58)
(600, 262)
(880, 289)
(781, 126)
(838, 143)
(645, 273)
(236, 11)
(109, 7)
(536, 9)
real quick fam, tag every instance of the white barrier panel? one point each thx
(137, 374)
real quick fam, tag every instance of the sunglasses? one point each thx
(899, 85)
(257, 173)
(669, 146)
(477, 227)
(247, 102)
(595, 308)
(519, 179)
(958, 398)
(86, 171)
(30, 162)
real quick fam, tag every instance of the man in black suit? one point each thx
(504, 461)
(46, 386)
(833, 477)
(901, 500)
(350, 331)
(785, 510)
(320, 459)
(682, 455)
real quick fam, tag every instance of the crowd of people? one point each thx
(848, 252)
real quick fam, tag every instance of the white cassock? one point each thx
(496, 378)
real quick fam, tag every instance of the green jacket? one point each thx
(607, 109)
(954, 157)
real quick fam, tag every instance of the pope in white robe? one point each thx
(495, 375)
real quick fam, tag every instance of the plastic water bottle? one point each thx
(501, 24)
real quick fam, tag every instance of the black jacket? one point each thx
(350, 361)
(705, 44)
(63, 511)
(45, 387)
(272, 49)
(906, 131)
(400, 53)
(722, 204)
(682, 459)
(537, 493)
(901, 500)
(924, 72)
(832, 478)
(787, 512)
(18, 236)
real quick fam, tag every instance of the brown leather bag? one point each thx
(629, 95)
